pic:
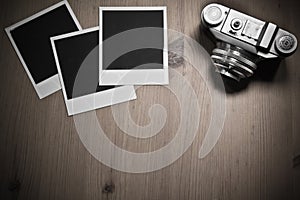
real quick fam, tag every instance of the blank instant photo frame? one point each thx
(143, 66)
(31, 41)
(77, 59)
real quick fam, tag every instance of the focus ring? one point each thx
(233, 62)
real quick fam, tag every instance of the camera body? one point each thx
(244, 40)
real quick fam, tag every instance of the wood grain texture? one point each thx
(42, 156)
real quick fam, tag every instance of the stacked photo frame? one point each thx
(94, 67)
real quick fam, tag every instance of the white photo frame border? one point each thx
(136, 76)
(95, 100)
(51, 84)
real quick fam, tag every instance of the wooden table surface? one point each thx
(42, 156)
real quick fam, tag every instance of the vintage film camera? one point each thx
(244, 40)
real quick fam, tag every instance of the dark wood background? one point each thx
(42, 157)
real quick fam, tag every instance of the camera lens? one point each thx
(233, 61)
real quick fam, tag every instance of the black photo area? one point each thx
(71, 52)
(33, 41)
(115, 22)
